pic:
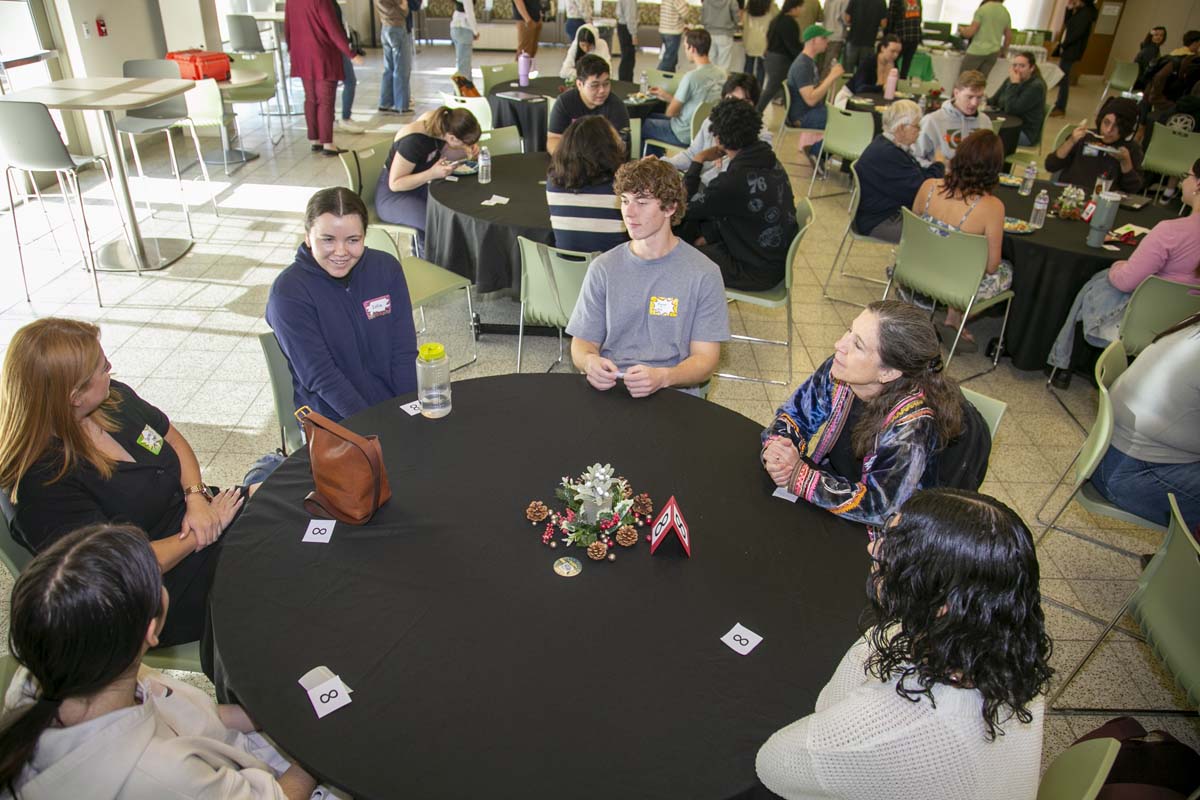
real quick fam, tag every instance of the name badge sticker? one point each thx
(150, 439)
(664, 306)
(378, 306)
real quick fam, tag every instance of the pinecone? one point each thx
(537, 512)
(643, 505)
(626, 488)
(627, 536)
(597, 551)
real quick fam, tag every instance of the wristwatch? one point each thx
(197, 488)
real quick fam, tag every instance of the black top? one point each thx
(890, 178)
(419, 148)
(1026, 100)
(841, 458)
(570, 107)
(783, 36)
(146, 492)
(865, 76)
(534, 7)
(865, 16)
(1077, 27)
(1083, 165)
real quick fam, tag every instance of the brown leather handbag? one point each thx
(351, 481)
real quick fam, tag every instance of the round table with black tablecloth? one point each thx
(1050, 266)
(532, 117)
(478, 241)
(476, 670)
(1010, 126)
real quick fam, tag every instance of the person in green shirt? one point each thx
(990, 31)
(1023, 94)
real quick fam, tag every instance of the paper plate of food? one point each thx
(1010, 180)
(1018, 226)
(467, 168)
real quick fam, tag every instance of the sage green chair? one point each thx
(426, 283)
(206, 109)
(1110, 366)
(1164, 606)
(1079, 771)
(1037, 37)
(183, 657)
(1171, 153)
(664, 80)
(854, 236)
(1124, 74)
(283, 392)
(1156, 305)
(363, 168)
(551, 280)
(779, 295)
(991, 409)
(12, 555)
(947, 268)
(503, 141)
(699, 114)
(847, 134)
(260, 94)
(8, 668)
(1019, 37)
(494, 74)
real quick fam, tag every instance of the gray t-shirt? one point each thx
(701, 85)
(1156, 403)
(650, 311)
(803, 72)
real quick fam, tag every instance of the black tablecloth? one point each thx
(1050, 266)
(1010, 126)
(480, 242)
(532, 117)
(478, 672)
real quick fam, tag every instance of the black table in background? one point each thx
(480, 242)
(1050, 266)
(1010, 126)
(532, 116)
(478, 672)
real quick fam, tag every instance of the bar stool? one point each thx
(30, 141)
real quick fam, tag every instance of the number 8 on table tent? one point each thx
(319, 530)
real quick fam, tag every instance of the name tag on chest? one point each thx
(664, 306)
(378, 306)
(150, 439)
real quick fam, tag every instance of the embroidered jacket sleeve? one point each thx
(802, 415)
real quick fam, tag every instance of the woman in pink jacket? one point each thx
(316, 42)
(1171, 251)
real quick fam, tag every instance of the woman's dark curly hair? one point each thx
(589, 153)
(976, 166)
(955, 597)
(735, 123)
(1125, 114)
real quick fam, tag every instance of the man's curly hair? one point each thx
(652, 177)
(976, 166)
(735, 123)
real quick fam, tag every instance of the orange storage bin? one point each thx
(195, 65)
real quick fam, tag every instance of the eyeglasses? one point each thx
(597, 85)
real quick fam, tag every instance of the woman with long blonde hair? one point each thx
(78, 448)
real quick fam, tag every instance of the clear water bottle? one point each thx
(644, 87)
(1038, 217)
(433, 380)
(1027, 182)
(485, 166)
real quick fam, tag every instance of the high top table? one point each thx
(476, 670)
(108, 96)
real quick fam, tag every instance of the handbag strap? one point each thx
(310, 417)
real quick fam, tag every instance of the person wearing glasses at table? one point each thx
(942, 696)
(889, 175)
(886, 420)
(592, 95)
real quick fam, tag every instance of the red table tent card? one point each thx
(670, 518)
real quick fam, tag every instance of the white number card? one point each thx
(741, 639)
(413, 408)
(785, 494)
(319, 530)
(329, 696)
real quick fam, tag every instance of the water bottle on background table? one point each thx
(485, 165)
(1027, 181)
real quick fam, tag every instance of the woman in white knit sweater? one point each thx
(942, 697)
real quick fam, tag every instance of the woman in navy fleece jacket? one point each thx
(342, 314)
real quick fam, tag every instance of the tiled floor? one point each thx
(186, 339)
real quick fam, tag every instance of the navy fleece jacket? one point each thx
(890, 178)
(351, 346)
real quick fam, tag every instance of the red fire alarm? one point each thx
(101, 28)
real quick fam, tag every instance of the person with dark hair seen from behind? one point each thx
(783, 45)
(1190, 46)
(872, 75)
(1155, 448)
(888, 174)
(584, 213)
(888, 422)
(698, 86)
(651, 313)
(720, 19)
(745, 219)
(1023, 95)
(904, 20)
(627, 36)
(342, 314)
(756, 19)
(867, 20)
(1109, 151)
(1150, 49)
(592, 95)
(1077, 29)
(990, 32)
(84, 718)
(423, 151)
(740, 86)
(964, 200)
(941, 698)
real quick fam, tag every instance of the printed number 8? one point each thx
(320, 531)
(742, 640)
(329, 696)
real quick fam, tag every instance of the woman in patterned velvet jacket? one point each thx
(894, 423)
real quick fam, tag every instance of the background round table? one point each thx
(532, 117)
(480, 242)
(1050, 266)
(476, 670)
(1010, 126)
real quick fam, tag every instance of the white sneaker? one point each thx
(348, 126)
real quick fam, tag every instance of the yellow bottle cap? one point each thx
(431, 351)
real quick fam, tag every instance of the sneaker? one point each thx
(387, 110)
(1166, 198)
(1057, 112)
(408, 110)
(316, 147)
(325, 151)
(348, 126)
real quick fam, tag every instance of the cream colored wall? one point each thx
(190, 24)
(1140, 16)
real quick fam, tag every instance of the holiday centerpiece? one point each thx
(601, 511)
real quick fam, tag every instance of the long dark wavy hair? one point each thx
(590, 153)
(908, 342)
(955, 598)
(80, 611)
(976, 166)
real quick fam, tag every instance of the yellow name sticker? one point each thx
(664, 306)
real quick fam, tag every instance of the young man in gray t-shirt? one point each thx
(651, 312)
